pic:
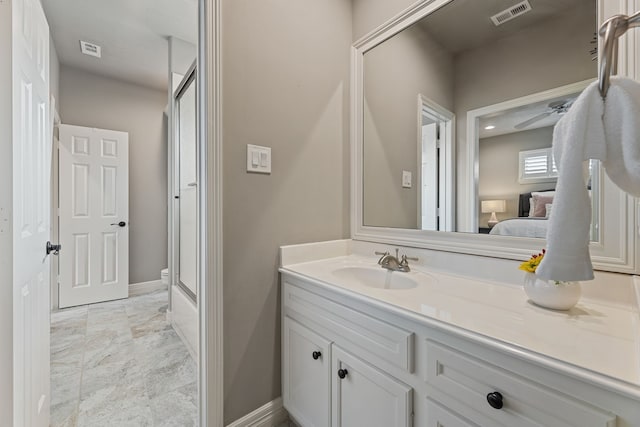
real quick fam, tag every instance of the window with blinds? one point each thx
(537, 166)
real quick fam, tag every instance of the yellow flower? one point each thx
(532, 264)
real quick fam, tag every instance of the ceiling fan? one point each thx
(555, 107)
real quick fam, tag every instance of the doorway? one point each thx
(436, 127)
(208, 106)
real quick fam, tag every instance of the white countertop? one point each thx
(597, 337)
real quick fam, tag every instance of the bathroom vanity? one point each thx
(363, 346)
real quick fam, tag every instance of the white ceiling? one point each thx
(466, 24)
(505, 121)
(132, 33)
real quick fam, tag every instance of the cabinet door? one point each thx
(305, 375)
(364, 396)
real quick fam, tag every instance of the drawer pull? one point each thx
(316, 355)
(495, 400)
(342, 373)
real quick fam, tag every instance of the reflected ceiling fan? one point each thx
(555, 107)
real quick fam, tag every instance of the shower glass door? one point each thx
(187, 185)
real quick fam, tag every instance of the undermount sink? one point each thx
(380, 278)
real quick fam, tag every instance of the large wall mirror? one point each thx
(453, 113)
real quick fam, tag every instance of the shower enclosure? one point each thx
(184, 299)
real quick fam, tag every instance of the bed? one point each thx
(523, 225)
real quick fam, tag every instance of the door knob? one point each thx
(120, 224)
(53, 248)
(316, 355)
(342, 373)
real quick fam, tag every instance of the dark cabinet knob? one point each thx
(495, 400)
(342, 373)
(316, 355)
(120, 224)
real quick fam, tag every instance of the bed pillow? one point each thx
(548, 208)
(540, 204)
(531, 207)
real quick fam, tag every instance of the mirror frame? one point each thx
(617, 248)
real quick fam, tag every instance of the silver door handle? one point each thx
(192, 184)
(51, 248)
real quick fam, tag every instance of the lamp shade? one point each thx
(489, 206)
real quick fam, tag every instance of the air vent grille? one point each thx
(90, 49)
(511, 13)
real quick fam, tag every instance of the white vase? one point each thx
(550, 293)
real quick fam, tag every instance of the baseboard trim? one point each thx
(142, 288)
(271, 414)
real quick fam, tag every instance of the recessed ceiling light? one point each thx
(90, 49)
(489, 127)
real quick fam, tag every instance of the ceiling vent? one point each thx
(90, 49)
(511, 13)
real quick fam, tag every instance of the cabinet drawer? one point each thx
(462, 383)
(439, 416)
(373, 336)
(306, 368)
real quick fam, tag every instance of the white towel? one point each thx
(592, 129)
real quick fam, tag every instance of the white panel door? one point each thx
(364, 396)
(429, 177)
(32, 144)
(94, 212)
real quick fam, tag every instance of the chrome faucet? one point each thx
(395, 263)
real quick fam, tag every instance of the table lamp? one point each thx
(493, 206)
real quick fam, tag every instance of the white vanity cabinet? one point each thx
(380, 366)
(361, 395)
(326, 385)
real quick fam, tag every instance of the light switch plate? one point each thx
(406, 179)
(258, 159)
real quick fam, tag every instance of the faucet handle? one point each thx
(382, 255)
(405, 260)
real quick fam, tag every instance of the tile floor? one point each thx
(121, 364)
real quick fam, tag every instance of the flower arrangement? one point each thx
(531, 265)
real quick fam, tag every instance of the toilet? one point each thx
(164, 277)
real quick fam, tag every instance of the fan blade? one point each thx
(533, 120)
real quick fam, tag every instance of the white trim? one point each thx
(622, 252)
(270, 414)
(142, 288)
(210, 227)
(473, 137)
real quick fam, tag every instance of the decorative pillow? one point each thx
(532, 207)
(540, 203)
(548, 207)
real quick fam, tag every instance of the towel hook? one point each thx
(611, 30)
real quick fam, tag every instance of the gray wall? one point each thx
(95, 101)
(396, 71)
(499, 160)
(370, 14)
(286, 86)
